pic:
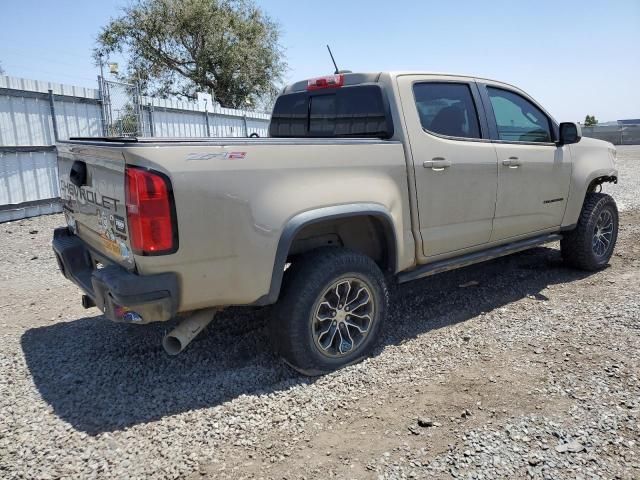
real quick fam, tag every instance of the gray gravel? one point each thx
(627, 191)
(518, 368)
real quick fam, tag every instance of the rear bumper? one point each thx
(123, 296)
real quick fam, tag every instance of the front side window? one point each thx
(447, 109)
(518, 119)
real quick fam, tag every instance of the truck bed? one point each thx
(233, 198)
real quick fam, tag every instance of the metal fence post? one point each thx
(103, 122)
(54, 121)
(246, 128)
(137, 100)
(152, 132)
(206, 119)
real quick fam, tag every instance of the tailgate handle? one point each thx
(78, 174)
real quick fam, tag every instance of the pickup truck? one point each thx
(365, 179)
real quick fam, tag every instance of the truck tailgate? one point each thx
(92, 189)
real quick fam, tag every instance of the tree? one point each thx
(590, 121)
(228, 48)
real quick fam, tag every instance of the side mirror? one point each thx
(569, 133)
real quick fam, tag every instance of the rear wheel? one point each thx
(332, 305)
(590, 245)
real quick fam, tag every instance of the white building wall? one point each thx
(28, 169)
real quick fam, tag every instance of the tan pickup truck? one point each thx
(365, 179)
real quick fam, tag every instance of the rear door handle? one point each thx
(437, 164)
(511, 162)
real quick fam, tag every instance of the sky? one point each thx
(574, 57)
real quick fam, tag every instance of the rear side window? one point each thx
(290, 116)
(356, 111)
(447, 109)
(518, 119)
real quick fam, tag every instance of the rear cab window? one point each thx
(447, 109)
(350, 111)
(322, 115)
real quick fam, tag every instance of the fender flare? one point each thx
(309, 217)
(577, 195)
(610, 177)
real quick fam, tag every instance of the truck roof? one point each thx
(355, 78)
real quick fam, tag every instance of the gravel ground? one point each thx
(627, 191)
(532, 371)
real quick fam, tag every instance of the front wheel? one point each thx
(590, 245)
(332, 305)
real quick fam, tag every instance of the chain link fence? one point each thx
(122, 114)
(127, 113)
(616, 134)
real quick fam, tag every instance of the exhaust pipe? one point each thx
(178, 338)
(87, 301)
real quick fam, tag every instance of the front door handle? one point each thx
(511, 162)
(437, 164)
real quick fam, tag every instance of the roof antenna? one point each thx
(334, 63)
(333, 60)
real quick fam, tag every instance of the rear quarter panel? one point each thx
(233, 202)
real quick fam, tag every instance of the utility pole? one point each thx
(102, 100)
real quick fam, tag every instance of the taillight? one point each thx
(331, 81)
(150, 212)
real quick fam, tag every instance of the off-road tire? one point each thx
(305, 282)
(577, 245)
